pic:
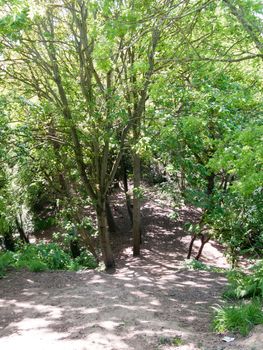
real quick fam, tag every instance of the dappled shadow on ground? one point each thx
(161, 233)
(133, 307)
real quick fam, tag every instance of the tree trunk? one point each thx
(203, 242)
(136, 205)
(191, 247)
(104, 236)
(21, 231)
(110, 218)
(126, 189)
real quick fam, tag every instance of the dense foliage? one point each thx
(95, 93)
(42, 257)
(92, 89)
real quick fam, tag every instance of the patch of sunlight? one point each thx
(191, 318)
(109, 325)
(192, 283)
(155, 302)
(200, 302)
(146, 279)
(30, 324)
(139, 294)
(96, 279)
(90, 310)
(123, 278)
(53, 311)
(30, 281)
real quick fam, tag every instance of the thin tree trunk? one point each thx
(104, 236)
(21, 231)
(203, 242)
(110, 218)
(126, 189)
(136, 205)
(191, 247)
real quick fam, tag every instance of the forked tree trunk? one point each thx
(104, 236)
(204, 240)
(191, 247)
(136, 205)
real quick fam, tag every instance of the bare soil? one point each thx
(147, 303)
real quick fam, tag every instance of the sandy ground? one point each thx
(147, 303)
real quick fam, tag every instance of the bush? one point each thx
(37, 266)
(193, 264)
(45, 256)
(86, 260)
(238, 318)
(6, 260)
(246, 285)
(41, 224)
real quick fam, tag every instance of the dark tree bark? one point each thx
(204, 240)
(104, 235)
(126, 189)
(136, 206)
(210, 185)
(110, 218)
(191, 247)
(24, 238)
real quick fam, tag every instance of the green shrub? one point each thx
(86, 260)
(41, 224)
(238, 318)
(37, 266)
(45, 256)
(6, 260)
(246, 285)
(193, 264)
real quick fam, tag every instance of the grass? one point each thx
(193, 264)
(247, 289)
(238, 318)
(172, 341)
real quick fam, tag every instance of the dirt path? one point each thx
(146, 304)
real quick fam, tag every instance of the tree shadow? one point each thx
(130, 309)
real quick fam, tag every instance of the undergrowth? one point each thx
(242, 285)
(246, 290)
(44, 256)
(238, 318)
(193, 264)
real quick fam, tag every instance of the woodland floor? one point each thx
(142, 305)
